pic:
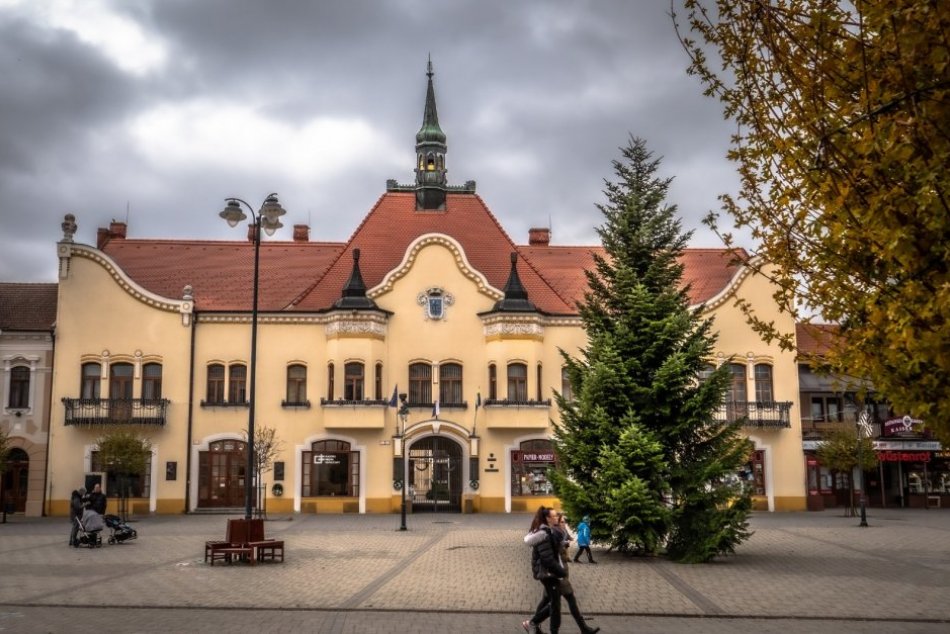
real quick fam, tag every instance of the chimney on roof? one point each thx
(301, 233)
(115, 230)
(539, 236)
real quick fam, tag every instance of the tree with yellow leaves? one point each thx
(843, 146)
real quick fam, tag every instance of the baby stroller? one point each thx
(121, 531)
(89, 527)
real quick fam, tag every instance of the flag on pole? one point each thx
(435, 409)
(478, 400)
(393, 401)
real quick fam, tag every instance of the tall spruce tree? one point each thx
(638, 447)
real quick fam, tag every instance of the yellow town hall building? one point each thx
(429, 299)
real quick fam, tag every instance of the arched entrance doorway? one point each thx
(16, 480)
(435, 475)
(221, 472)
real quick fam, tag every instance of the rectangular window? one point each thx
(152, 381)
(237, 384)
(566, 390)
(538, 384)
(450, 384)
(297, 383)
(818, 409)
(736, 398)
(330, 384)
(137, 486)
(378, 377)
(91, 380)
(420, 383)
(19, 388)
(330, 469)
(353, 382)
(492, 382)
(215, 392)
(518, 382)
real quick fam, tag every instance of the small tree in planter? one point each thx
(126, 454)
(266, 448)
(842, 451)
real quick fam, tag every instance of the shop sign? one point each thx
(906, 445)
(903, 456)
(902, 425)
(532, 456)
(326, 458)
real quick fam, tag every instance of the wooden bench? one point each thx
(235, 545)
(265, 549)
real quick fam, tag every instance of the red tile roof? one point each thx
(815, 339)
(25, 307)
(309, 276)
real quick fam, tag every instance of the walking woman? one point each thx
(546, 568)
(567, 590)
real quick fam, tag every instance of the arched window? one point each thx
(353, 381)
(379, 382)
(492, 381)
(450, 384)
(538, 384)
(737, 397)
(120, 381)
(330, 385)
(237, 384)
(215, 391)
(330, 468)
(296, 384)
(517, 382)
(566, 390)
(763, 383)
(152, 381)
(706, 371)
(19, 388)
(91, 380)
(420, 383)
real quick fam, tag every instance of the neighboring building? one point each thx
(913, 469)
(429, 298)
(27, 316)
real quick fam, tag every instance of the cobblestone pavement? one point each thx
(800, 572)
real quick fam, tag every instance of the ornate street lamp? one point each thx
(403, 414)
(267, 218)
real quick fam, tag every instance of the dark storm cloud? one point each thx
(535, 97)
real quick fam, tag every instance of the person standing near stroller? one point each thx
(76, 507)
(97, 500)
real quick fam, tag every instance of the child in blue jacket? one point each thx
(583, 540)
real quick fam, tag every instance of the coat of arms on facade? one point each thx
(435, 301)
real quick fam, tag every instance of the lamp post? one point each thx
(269, 218)
(403, 415)
(862, 423)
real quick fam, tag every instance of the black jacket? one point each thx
(75, 505)
(97, 502)
(545, 561)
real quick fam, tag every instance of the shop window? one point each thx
(215, 390)
(518, 382)
(492, 382)
(530, 464)
(152, 381)
(754, 472)
(91, 380)
(134, 486)
(296, 383)
(420, 383)
(237, 384)
(763, 383)
(353, 381)
(330, 468)
(450, 384)
(19, 397)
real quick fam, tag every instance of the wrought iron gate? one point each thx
(435, 475)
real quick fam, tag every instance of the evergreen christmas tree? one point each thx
(639, 449)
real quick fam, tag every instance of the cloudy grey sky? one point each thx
(154, 111)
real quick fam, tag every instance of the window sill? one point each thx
(295, 404)
(346, 403)
(224, 404)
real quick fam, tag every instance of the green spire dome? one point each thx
(430, 132)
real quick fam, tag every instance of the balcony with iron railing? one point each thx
(116, 411)
(760, 414)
